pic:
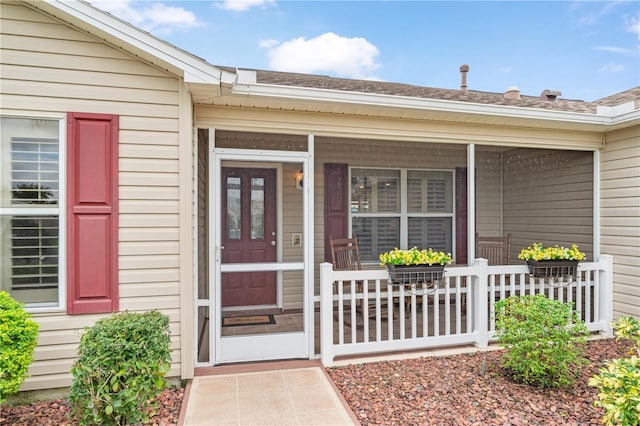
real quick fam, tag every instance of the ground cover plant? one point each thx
(122, 362)
(618, 382)
(18, 339)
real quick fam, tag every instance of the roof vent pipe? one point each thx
(550, 95)
(512, 93)
(464, 69)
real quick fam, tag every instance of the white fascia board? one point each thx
(195, 70)
(405, 102)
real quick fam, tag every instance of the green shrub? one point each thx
(121, 366)
(544, 340)
(18, 338)
(619, 380)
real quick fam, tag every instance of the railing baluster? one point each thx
(402, 311)
(379, 313)
(579, 288)
(365, 310)
(587, 299)
(414, 309)
(447, 307)
(390, 308)
(492, 301)
(596, 298)
(340, 313)
(354, 319)
(436, 313)
(458, 307)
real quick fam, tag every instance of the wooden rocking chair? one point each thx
(345, 256)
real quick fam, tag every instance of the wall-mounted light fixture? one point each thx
(299, 180)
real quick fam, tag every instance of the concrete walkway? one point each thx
(288, 396)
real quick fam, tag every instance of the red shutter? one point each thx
(336, 204)
(461, 216)
(92, 213)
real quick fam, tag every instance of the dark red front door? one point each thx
(248, 234)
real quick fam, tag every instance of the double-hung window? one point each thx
(402, 208)
(32, 211)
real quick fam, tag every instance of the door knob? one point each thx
(273, 243)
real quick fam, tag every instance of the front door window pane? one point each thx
(234, 210)
(257, 208)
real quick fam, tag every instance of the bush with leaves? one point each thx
(122, 362)
(619, 380)
(544, 340)
(18, 339)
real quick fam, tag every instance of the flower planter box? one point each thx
(553, 268)
(414, 274)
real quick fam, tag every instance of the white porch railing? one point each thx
(374, 316)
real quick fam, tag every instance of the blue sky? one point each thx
(585, 49)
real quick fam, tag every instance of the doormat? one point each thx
(248, 320)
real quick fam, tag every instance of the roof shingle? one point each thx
(472, 96)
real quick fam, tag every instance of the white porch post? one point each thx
(480, 305)
(326, 314)
(309, 243)
(596, 205)
(471, 202)
(606, 294)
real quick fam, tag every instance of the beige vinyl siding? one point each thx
(293, 290)
(620, 216)
(489, 188)
(548, 198)
(50, 68)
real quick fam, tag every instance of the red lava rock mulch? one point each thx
(57, 412)
(468, 389)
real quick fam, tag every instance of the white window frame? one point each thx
(404, 214)
(59, 211)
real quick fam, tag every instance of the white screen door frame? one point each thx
(262, 346)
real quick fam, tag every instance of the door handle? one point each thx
(273, 243)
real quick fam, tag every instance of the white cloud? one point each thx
(267, 44)
(155, 17)
(244, 5)
(633, 25)
(588, 13)
(612, 68)
(614, 49)
(329, 52)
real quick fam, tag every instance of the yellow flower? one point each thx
(539, 252)
(415, 256)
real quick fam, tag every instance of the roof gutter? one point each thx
(604, 118)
